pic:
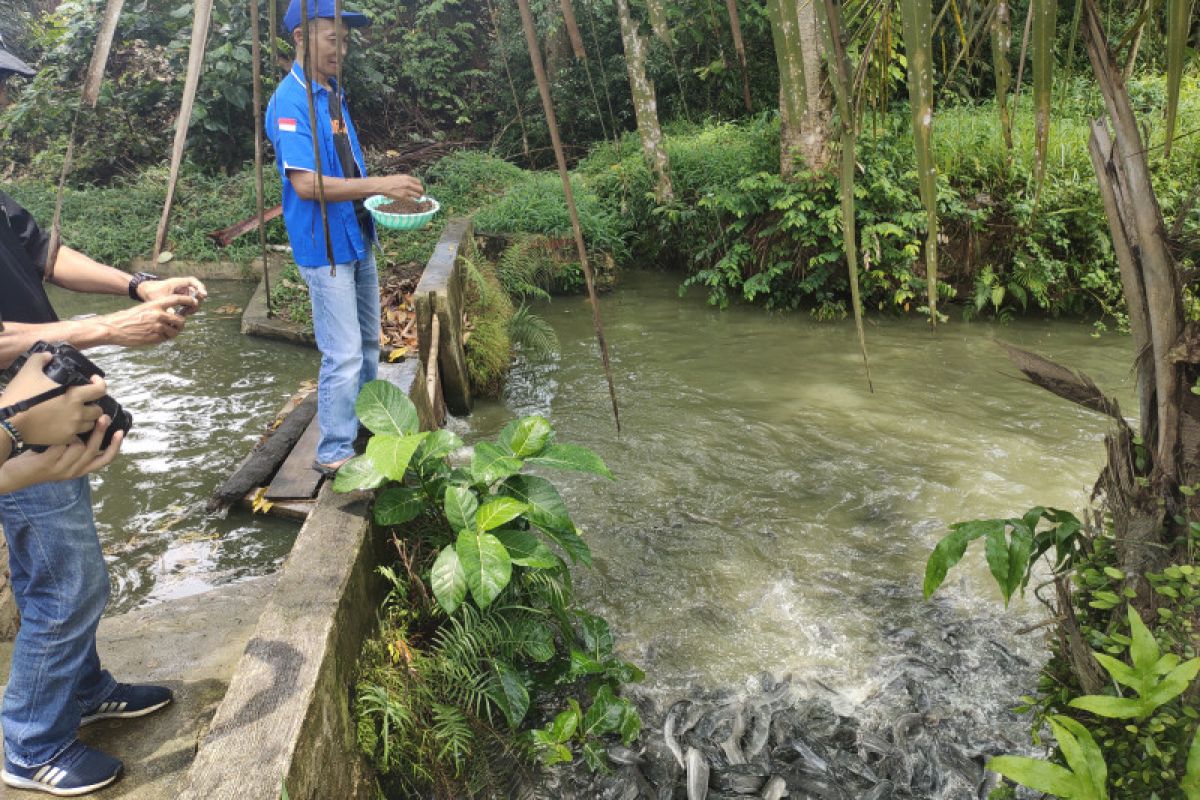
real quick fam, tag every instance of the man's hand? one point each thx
(157, 290)
(54, 421)
(61, 462)
(399, 187)
(152, 322)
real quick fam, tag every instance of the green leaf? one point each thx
(1191, 779)
(385, 409)
(491, 464)
(1112, 707)
(527, 550)
(497, 512)
(949, 551)
(1178, 31)
(516, 696)
(1083, 756)
(597, 636)
(630, 725)
(583, 664)
(392, 454)
(1144, 651)
(1121, 672)
(548, 512)
(486, 564)
(437, 445)
(594, 755)
(1041, 776)
(571, 457)
(398, 505)
(448, 580)
(461, 506)
(1174, 683)
(565, 724)
(357, 474)
(605, 714)
(526, 437)
(996, 549)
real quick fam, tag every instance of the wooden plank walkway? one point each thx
(296, 479)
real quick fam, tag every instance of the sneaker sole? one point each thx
(18, 782)
(141, 712)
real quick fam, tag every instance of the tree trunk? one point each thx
(735, 27)
(644, 103)
(818, 107)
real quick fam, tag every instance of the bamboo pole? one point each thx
(201, 17)
(539, 72)
(739, 46)
(256, 57)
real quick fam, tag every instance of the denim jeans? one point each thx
(345, 309)
(60, 582)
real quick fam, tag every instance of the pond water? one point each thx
(770, 513)
(199, 403)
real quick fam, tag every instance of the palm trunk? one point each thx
(645, 105)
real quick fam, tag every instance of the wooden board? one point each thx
(296, 479)
(266, 458)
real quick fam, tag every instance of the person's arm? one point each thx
(75, 271)
(62, 462)
(338, 190)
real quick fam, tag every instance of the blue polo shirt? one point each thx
(288, 127)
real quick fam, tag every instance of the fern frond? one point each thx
(532, 333)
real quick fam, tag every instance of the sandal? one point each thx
(329, 470)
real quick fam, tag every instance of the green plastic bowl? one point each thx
(399, 222)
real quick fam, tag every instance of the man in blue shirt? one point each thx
(340, 270)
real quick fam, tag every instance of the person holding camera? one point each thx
(339, 267)
(57, 424)
(59, 576)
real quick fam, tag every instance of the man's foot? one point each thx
(329, 470)
(129, 700)
(77, 770)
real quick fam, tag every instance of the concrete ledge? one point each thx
(255, 321)
(288, 714)
(204, 270)
(443, 278)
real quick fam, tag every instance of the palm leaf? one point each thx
(1178, 18)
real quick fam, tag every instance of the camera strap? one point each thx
(30, 402)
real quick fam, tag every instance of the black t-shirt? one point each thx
(23, 247)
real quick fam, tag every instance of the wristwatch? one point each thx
(137, 280)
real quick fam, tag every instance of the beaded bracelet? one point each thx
(18, 444)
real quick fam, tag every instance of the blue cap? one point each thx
(318, 9)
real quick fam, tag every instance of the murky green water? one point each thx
(769, 512)
(199, 403)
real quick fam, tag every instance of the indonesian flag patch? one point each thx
(287, 125)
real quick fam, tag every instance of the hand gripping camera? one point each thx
(69, 367)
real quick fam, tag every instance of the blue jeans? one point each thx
(345, 309)
(60, 582)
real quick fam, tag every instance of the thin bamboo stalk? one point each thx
(568, 12)
(312, 123)
(201, 18)
(539, 72)
(256, 58)
(735, 26)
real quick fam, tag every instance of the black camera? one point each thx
(69, 367)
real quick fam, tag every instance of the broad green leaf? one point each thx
(437, 445)
(398, 505)
(631, 722)
(527, 550)
(1112, 707)
(491, 464)
(594, 755)
(497, 512)
(583, 664)
(996, 549)
(949, 551)
(1144, 652)
(486, 564)
(384, 408)
(538, 643)
(461, 506)
(1041, 776)
(448, 579)
(605, 714)
(565, 724)
(1083, 756)
(1174, 683)
(526, 437)
(569, 541)
(597, 636)
(391, 454)
(571, 457)
(1191, 779)
(516, 696)
(546, 507)
(1121, 672)
(358, 473)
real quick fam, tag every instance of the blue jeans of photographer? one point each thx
(345, 309)
(60, 582)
